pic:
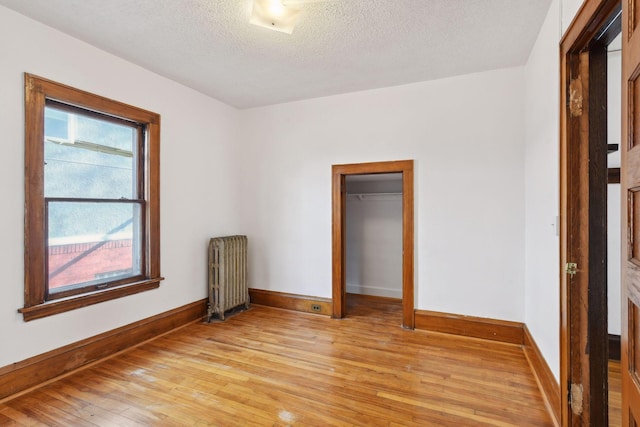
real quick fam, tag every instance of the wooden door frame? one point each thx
(583, 311)
(338, 199)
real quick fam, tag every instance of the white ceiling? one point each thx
(338, 46)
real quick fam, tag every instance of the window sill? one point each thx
(50, 308)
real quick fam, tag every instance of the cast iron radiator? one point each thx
(228, 284)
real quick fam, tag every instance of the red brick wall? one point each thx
(79, 262)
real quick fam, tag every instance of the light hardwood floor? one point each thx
(615, 394)
(271, 367)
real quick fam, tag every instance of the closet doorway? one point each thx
(404, 171)
(374, 235)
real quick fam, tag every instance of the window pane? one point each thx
(86, 157)
(92, 243)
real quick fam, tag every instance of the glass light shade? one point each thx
(299, 2)
(275, 15)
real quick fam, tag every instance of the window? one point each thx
(91, 199)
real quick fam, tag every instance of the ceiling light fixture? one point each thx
(274, 14)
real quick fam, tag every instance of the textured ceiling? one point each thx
(338, 46)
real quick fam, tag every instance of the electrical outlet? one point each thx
(315, 307)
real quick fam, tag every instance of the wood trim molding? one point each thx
(338, 239)
(39, 369)
(547, 383)
(469, 326)
(501, 331)
(38, 301)
(613, 176)
(293, 302)
(614, 347)
(49, 308)
(582, 165)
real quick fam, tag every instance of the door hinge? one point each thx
(575, 398)
(571, 268)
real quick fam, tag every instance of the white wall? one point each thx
(569, 8)
(374, 244)
(197, 133)
(614, 120)
(541, 189)
(466, 136)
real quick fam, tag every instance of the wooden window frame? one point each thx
(36, 302)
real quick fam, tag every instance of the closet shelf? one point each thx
(361, 196)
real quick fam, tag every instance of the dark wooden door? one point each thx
(631, 212)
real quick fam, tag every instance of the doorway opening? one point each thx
(373, 247)
(404, 169)
(614, 283)
(374, 235)
(584, 177)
